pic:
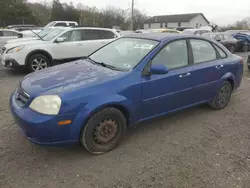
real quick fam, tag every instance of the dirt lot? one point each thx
(198, 147)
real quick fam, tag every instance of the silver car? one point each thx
(6, 35)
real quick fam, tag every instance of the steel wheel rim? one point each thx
(39, 64)
(224, 95)
(106, 132)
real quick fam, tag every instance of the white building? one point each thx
(195, 20)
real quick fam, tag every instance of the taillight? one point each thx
(241, 61)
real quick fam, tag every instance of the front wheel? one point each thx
(37, 62)
(222, 98)
(104, 131)
(245, 48)
(232, 49)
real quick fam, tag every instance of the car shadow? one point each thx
(77, 152)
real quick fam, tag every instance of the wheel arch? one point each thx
(230, 78)
(39, 51)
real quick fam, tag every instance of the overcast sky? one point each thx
(222, 12)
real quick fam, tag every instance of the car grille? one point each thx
(21, 97)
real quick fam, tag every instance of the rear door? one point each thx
(95, 39)
(208, 67)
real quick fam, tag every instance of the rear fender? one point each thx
(229, 77)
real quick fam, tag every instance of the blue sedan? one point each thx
(94, 100)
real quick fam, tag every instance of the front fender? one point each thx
(89, 109)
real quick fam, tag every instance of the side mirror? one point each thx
(158, 69)
(60, 40)
(20, 35)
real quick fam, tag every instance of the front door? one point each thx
(171, 91)
(71, 47)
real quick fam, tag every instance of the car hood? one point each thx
(66, 77)
(21, 40)
(21, 43)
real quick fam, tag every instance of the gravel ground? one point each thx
(198, 147)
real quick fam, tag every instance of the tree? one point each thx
(58, 12)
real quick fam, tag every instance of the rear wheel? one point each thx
(222, 98)
(245, 48)
(104, 131)
(232, 49)
(37, 62)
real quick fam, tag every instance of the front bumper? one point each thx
(14, 60)
(44, 129)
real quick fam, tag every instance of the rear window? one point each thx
(72, 24)
(61, 24)
(91, 34)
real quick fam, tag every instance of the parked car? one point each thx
(20, 26)
(59, 46)
(196, 31)
(165, 30)
(37, 36)
(183, 28)
(135, 78)
(31, 33)
(225, 39)
(62, 24)
(6, 34)
(231, 32)
(244, 41)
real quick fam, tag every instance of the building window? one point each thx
(179, 24)
(166, 24)
(161, 25)
(149, 25)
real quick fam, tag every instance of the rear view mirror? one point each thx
(158, 69)
(60, 40)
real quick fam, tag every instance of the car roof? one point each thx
(158, 36)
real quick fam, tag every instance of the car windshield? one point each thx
(50, 24)
(53, 34)
(45, 32)
(124, 53)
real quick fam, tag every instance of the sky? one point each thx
(221, 12)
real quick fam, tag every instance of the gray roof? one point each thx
(174, 18)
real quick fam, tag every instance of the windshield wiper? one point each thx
(102, 64)
(37, 35)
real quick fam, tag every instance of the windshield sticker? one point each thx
(144, 46)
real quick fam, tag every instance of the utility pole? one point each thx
(132, 18)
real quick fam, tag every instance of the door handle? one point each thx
(185, 75)
(219, 66)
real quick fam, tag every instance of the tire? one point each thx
(245, 48)
(232, 49)
(37, 62)
(104, 131)
(222, 98)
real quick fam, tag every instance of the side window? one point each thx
(108, 35)
(61, 24)
(91, 34)
(72, 24)
(221, 52)
(202, 51)
(174, 55)
(8, 33)
(73, 36)
(1, 33)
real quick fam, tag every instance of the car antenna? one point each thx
(36, 34)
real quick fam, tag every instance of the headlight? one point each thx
(47, 104)
(16, 49)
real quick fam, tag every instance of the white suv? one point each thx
(59, 46)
